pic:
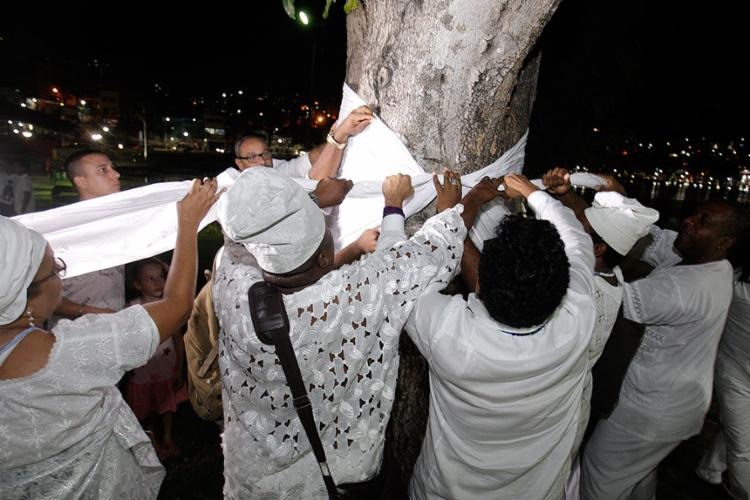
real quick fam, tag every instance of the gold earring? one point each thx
(31, 317)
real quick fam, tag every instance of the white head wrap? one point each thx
(21, 252)
(273, 217)
(620, 221)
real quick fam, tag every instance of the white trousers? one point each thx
(730, 451)
(619, 465)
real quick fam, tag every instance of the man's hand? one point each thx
(557, 181)
(353, 124)
(368, 240)
(517, 186)
(484, 191)
(448, 193)
(331, 192)
(612, 184)
(397, 188)
(196, 203)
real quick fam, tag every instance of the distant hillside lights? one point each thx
(745, 181)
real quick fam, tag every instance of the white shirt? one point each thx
(295, 167)
(23, 185)
(667, 388)
(735, 341)
(65, 430)
(504, 408)
(345, 330)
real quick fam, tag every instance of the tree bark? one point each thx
(453, 78)
(456, 80)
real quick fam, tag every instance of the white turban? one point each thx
(273, 217)
(21, 252)
(620, 221)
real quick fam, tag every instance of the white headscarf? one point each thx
(620, 221)
(21, 253)
(273, 217)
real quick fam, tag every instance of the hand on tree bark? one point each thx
(448, 193)
(353, 124)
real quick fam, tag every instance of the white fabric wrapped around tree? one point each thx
(142, 222)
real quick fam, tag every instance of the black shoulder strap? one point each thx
(271, 324)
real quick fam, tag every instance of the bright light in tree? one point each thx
(303, 18)
(26, 134)
(96, 137)
(106, 129)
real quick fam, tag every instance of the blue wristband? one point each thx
(389, 210)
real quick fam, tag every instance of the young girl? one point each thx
(159, 386)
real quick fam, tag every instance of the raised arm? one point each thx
(578, 246)
(326, 158)
(172, 311)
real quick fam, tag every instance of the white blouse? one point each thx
(65, 431)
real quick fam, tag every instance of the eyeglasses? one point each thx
(266, 155)
(59, 270)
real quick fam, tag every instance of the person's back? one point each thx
(344, 327)
(505, 400)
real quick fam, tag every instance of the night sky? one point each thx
(640, 68)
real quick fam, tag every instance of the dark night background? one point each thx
(654, 69)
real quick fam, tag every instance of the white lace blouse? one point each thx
(345, 331)
(65, 431)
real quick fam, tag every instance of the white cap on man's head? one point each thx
(620, 221)
(273, 217)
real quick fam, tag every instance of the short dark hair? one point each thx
(256, 134)
(73, 162)
(523, 272)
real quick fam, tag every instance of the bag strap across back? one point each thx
(271, 325)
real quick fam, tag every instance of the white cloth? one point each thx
(144, 223)
(296, 167)
(624, 466)
(620, 221)
(732, 384)
(345, 330)
(21, 252)
(504, 408)
(273, 218)
(66, 431)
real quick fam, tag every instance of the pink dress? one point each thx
(151, 388)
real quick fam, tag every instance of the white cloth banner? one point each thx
(142, 222)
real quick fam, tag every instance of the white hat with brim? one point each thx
(620, 221)
(273, 217)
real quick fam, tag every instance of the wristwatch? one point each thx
(330, 139)
(314, 197)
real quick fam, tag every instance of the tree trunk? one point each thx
(456, 80)
(453, 78)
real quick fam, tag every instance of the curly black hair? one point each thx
(523, 272)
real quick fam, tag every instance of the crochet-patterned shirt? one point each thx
(345, 330)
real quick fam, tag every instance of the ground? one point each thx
(198, 473)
